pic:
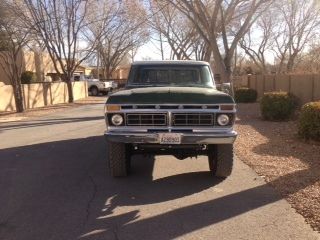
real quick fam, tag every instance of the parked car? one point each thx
(114, 85)
(95, 86)
(170, 107)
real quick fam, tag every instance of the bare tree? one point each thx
(222, 24)
(123, 32)
(297, 26)
(61, 25)
(258, 41)
(174, 29)
(177, 31)
(14, 36)
(202, 50)
(309, 62)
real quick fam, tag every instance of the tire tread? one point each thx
(221, 158)
(116, 158)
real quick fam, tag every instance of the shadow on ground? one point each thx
(60, 190)
(282, 141)
(47, 122)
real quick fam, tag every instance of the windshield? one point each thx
(171, 75)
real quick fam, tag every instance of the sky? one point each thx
(149, 51)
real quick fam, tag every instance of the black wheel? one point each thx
(220, 158)
(94, 91)
(118, 159)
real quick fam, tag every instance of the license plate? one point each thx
(170, 138)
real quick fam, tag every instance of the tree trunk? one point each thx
(108, 72)
(291, 62)
(38, 58)
(70, 90)
(17, 90)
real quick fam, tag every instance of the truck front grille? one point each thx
(193, 119)
(146, 119)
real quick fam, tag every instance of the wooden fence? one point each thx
(306, 87)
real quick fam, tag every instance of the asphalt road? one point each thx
(54, 185)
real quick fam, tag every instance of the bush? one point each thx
(277, 106)
(245, 95)
(27, 77)
(309, 121)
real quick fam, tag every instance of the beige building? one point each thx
(39, 94)
(43, 68)
(41, 65)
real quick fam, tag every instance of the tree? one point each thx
(256, 47)
(222, 24)
(61, 25)
(14, 36)
(178, 32)
(297, 26)
(309, 62)
(123, 31)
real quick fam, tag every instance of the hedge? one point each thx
(27, 77)
(309, 121)
(245, 95)
(278, 106)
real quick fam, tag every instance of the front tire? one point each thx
(118, 159)
(94, 91)
(221, 158)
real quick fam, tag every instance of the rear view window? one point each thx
(154, 76)
(199, 76)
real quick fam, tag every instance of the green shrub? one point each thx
(245, 95)
(27, 77)
(309, 121)
(277, 106)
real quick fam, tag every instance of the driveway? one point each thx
(54, 185)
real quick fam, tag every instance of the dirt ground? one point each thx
(289, 164)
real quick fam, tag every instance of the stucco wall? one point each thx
(41, 94)
(7, 102)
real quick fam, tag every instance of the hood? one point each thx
(170, 95)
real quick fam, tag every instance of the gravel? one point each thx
(288, 163)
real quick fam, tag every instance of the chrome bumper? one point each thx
(186, 138)
(106, 89)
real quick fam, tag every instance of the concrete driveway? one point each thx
(54, 185)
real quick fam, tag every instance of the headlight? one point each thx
(117, 119)
(223, 120)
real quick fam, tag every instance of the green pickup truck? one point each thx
(170, 108)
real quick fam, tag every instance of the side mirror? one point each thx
(225, 87)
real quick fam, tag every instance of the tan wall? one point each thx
(41, 94)
(47, 64)
(305, 86)
(282, 83)
(316, 90)
(4, 73)
(7, 102)
(121, 73)
(31, 61)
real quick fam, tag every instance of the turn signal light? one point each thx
(226, 107)
(112, 108)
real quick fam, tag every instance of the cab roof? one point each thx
(171, 62)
